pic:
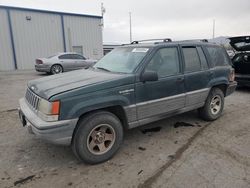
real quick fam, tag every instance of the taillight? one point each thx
(232, 75)
(38, 61)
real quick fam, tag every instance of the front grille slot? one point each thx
(32, 99)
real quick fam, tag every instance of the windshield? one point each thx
(122, 60)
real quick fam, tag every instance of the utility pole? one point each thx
(213, 28)
(130, 27)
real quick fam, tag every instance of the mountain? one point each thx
(222, 40)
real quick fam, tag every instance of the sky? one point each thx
(179, 19)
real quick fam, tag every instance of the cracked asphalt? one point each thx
(193, 154)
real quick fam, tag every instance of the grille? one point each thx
(32, 99)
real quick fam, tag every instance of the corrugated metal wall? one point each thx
(6, 55)
(85, 32)
(41, 36)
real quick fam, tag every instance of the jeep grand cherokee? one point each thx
(131, 86)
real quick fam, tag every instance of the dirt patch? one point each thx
(183, 124)
(23, 180)
(154, 129)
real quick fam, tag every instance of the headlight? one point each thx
(48, 111)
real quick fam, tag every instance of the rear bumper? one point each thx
(231, 88)
(42, 68)
(58, 132)
(243, 80)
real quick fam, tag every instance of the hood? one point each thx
(49, 86)
(241, 43)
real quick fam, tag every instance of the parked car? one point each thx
(241, 59)
(131, 86)
(63, 62)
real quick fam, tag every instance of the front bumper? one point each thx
(243, 80)
(231, 88)
(58, 132)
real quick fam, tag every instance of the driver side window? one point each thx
(165, 62)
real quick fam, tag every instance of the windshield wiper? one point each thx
(103, 69)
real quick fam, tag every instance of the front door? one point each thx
(165, 95)
(79, 61)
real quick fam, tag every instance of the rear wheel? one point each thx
(98, 137)
(56, 69)
(214, 105)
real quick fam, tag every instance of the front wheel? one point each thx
(98, 137)
(214, 105)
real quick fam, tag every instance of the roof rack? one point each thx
(195, 40)
(149, 40)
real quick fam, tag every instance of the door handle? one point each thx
(180, 80)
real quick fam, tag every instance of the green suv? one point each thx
(133, 85)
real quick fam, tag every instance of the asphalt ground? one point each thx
(181, 151)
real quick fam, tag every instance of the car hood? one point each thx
(52, 85)
(241, 43)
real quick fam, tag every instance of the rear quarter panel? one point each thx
(220, 75)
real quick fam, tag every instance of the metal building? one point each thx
(26, 34)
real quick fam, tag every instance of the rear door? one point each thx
(167, 94)
(197, 75)
(67, 61)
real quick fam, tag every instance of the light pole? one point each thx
(213, 28)
(103, 11)
(130, 27)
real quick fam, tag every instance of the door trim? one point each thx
(193, 100)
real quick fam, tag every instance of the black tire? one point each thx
(56, 69)
(83, 137)
(210, 111)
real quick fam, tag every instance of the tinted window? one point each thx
(76, 56)
(65, 56)
(192, 61)
(203, 59)
(218, 56)
(165, 62)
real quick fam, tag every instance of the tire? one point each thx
(97, 138)
(56, 69)
(213, 106)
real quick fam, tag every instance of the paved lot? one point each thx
(173, 154)
(12, 87)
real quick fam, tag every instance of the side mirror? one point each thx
(149, 76)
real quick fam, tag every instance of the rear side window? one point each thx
(76, 56)
(203, 59)
(191, 57)
(218, 56)
(65, 56)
